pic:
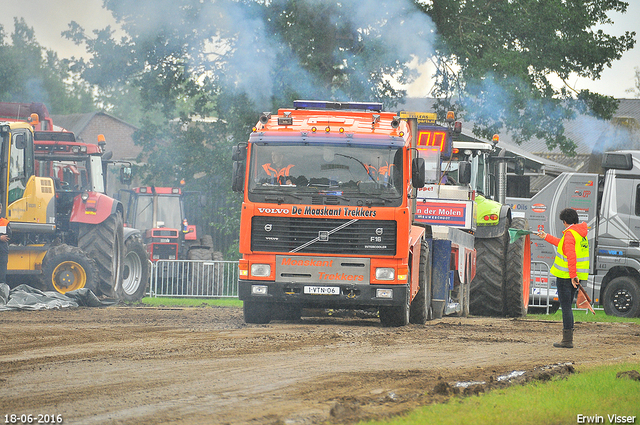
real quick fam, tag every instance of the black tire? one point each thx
(135, 274)
(104, 243)
(420, 310)
(396, 316)
(621, 297)
(486, 293)
(256, 312)
(67, 268)
(517, 274)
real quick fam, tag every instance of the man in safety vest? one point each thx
(276, 170)
(570, 267)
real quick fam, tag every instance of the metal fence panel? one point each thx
(541, 293)
(194, 278)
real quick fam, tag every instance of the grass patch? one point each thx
(189, 302)
(590, 392)
(581, 316)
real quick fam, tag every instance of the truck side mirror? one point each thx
(239, 152)
(237, 180)
(21, 141)
(464, 172)
(418, 173)
(125, 175)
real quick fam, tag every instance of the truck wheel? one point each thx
(104, 243)
(622, 297)
(517, 278)
(256, 312)
(421, 304)
(486, 287)
(397, 315)
(67, 268)
(135, 274)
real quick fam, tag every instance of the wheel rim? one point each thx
(622, 300)
(131, 273)
(68, 276)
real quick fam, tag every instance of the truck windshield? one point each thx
(68, 175)
(352, 173)
(168, 213)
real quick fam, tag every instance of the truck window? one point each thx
(331, 168)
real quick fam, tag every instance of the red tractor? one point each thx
(86, 217)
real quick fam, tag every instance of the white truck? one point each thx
(610, 205)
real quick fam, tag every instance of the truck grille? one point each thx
(319, 236)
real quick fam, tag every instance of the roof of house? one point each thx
(76, 123)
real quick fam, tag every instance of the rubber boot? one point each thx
(567, 339)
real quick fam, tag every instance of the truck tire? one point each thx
(104, 243)
(66, 268)
(135, 274)
(256, 312)
(621, 297)
(396, 316)
(486, 293)
(421, 304)
(517, 278)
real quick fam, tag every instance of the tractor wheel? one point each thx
(518, 273)
(396, 316)
(622, 297)
(66, 268)
(256, 312)
(486, 287)
(104, 243)
(135, 273)
(421, 304)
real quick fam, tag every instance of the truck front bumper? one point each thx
(344, 295)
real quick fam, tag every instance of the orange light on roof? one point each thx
(327, 129)
(456, 150)
(451, 116)
(254, 129)
(496, 138)
(313, 129)
(101, 138)
(341, 130)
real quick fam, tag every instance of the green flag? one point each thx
(515, 234)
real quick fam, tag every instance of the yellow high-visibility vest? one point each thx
(560, 266)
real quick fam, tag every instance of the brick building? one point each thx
(87, 127)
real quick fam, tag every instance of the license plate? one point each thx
(322, 290)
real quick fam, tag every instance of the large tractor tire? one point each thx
(486, 292)
(104, 243)
(621, 297)
(517, 278)
(66, 268)
(421, 305)
(135, 273)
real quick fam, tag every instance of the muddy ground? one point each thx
(133, 365)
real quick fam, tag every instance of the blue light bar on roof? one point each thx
(321, 104)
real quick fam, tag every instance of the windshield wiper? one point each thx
(359, 162)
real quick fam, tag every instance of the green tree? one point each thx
(495, 58)
(29, 73)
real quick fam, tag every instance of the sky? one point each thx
(49, 18)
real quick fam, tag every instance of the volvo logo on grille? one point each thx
(268, 227)
(379, 231)
(323, 235)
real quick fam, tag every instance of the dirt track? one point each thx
(204, 365)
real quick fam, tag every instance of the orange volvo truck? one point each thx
(329, 216)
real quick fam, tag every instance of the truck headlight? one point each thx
(260, 270)
(385, 273)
